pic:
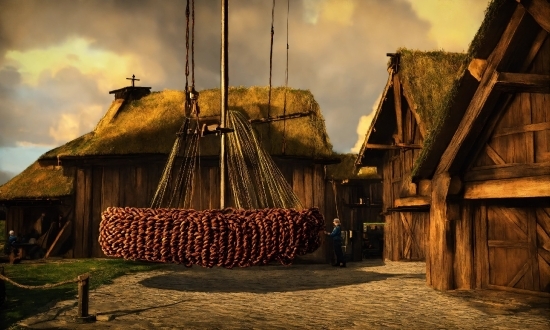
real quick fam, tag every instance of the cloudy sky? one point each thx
(60, 58)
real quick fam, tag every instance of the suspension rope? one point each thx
(286, 80)
(335, 198)
(183, 147)
(255, 180)
(187, 47)
(271, 59)
(192, 43)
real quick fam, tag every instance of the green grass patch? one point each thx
(22, 303)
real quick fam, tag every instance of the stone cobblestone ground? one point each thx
(365, 295)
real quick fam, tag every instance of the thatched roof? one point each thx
(497, 15)
(149, 125)
(436, 95)
(426, 77)
(347, 170)
(38, 182)
(429, 77)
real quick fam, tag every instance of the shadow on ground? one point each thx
(267, 279)
(503, 302)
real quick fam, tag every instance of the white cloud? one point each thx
(450, 33)
(67, 128)
(363, 126)
(72, 125)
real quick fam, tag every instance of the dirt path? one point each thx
(366, 295)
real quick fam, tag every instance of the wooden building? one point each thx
(409, 107)
(488, 160)
(491, 180)
(354, 195)
(120, 163)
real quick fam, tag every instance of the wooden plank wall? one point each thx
(15, 220)
(134, 185)
(522, 135)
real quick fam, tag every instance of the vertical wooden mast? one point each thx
(224, 88)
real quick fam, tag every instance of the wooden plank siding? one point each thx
(405, 233)
(134, 185)
(97, 175)
(511, 247)
(521, 135)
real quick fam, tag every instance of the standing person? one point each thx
(12, 240)
(336, 235)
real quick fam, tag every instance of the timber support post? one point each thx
(441, 242)
(83, 299)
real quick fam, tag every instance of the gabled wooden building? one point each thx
(486, 162)
(410, 106)
(356, 194)
(120, 163)
(490, 161)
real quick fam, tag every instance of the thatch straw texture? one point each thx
(346, 169)
(39, 182)
(429, 76)
(448, 97)
(149, 125)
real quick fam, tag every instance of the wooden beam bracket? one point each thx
(509, 82)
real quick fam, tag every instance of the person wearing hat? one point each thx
(336, 235)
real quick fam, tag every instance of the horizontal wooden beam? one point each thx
(409, 146)
(393, 146)
(540, 10)
(523, 83)
(515, 290)
(508, 244)
(413, 201)
(522, 129)
(509, 188)
(381, 146)
(507, 171)
(281, 117)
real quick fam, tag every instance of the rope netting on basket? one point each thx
(224, 238)
(267, 224)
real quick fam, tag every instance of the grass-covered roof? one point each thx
(497, 15)
(428, 77)
(149, 125)
(40, 182)
(346, 169)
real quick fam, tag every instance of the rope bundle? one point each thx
(224, 238)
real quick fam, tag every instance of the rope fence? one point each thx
(34, 287)
(83, 292)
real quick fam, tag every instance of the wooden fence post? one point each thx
(83, 299)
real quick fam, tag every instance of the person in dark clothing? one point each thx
(12, 240)
(336, 235)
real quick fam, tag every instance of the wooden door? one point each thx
(518, 248)
(414, 231)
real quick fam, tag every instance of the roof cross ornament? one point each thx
(133, 79)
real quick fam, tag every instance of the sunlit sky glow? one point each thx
(56, 70)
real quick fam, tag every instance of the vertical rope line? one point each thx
(286, 79)
(193, 43)
(187, 46)
(271, 59)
